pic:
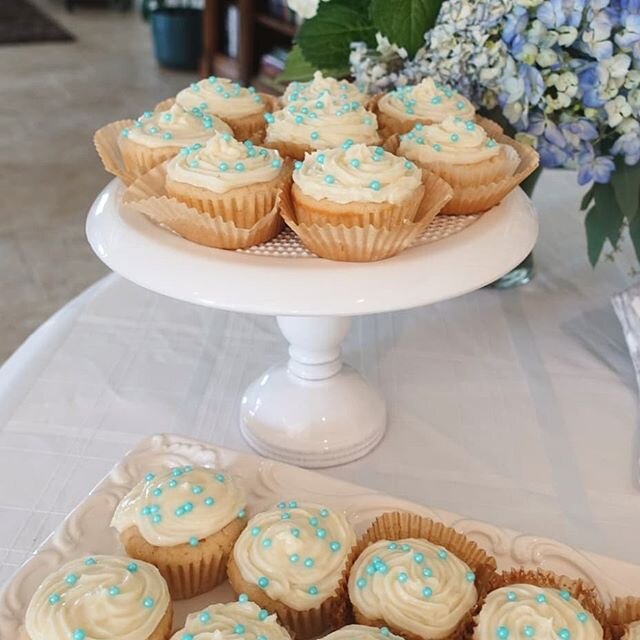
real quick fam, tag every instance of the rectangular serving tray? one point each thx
(86, 530)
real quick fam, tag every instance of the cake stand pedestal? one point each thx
(313, 410)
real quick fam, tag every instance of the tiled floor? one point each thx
(52, 98)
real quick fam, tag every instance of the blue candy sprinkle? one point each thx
(157, 492)
(454, 137)
(187, 636)
(405, 547)
(361, 583)
(241, 514)
(313, 591)
(293, 504)
(54, 598)
(193, 541)
(565, 595)
(295, 532)
(243, 597)
(347, 143)
(90, 561)
(529, 631)
(276, 164)
(281, 505)
(511, 596)
(269, 118)
(263, 614)
(238, 166)
(204, 617)
(418, 558)
(321, 533)
(314, 135)
(294, 557)
(470, 576)
(564, 633)
(209, 501)
(79, 634)
(297, 165)
(436, 100)
(299, 119)
(308, 562)
(266, 543)
(384, 631)
(320, 158)
(114, 590)
(460, 104)
(223, 166)
(263, 582)
(375, 185)
(334, 546)
(329, 179)
(426, 572)
(196, 489)
(255, 531)
(148, 603)
(403, 577)
(582, 616)
(502, 632)
(427, 592)
(238, 629)
(71, 579)
(149, 477)
(132, 567)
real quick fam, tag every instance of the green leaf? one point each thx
(326, 38)
(296, 67)
(587, 198)
(404, 22)
(634, 233)
(625, 181)
(603, 221)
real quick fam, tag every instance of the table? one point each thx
(517, 407)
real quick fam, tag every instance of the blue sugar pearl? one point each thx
(114, 590)
(137, 124)
(179, 511)
(410, 111)
(320, 158)
(263, 614)
(355, 105)
(529, 631)
(149, 477)
(293, 95)
(582, 616)
(469, 125)
(187, 636)
(276, 164)
(194, 87)
(251, 89)
(285, 516)
(154, 508)
(269, 119)
(502, 632)
(238, 166)
(426, 572)
(294, 557)
(334, 546)
(281, 505)
(427, 592)
(197, 112)
(156, 519)
(308, 562)
(204, 105)
(297, 165)
(227, 138)
(511, 596)
(193, 541)
(375, 185)
(361, 583)
(403, 577)
(420, 140)
(255, 531)
(188, 506)
(204, 617)
(125, 133)
(261, 637)
(355, 163)
(411, 135)
(565, 595)
(194, 147)
(176, 472)
(442, 554)
(241, 514)
(405, 547)
(371, 569)
(79, 634)
(148, 603)
(292, 109)
(212, 79)
(304, 110)
(392, 546)
(243, 597)
(196, 489)
(132, 567)
(437, 147)
(448, 93)
(157, 492)
(147, 114)
(209, 501)
(90, 561)
(295, 532)
(491, 143)
(469, 576)
(54, 598)
(194, 164)
(329, 179)
(223, 166)
(313, 591)
(347, 143)
(226, 95)
(564, 633)
(460, 105)
(378, 151)
(183, 152)
(299, 119)
(153, 130)
(319, 105)
(384, 631)
(541, 598)
(419, 126)
(436, 100)
(418, 558)
(266, 543)
(219, 89)
(293, 504)
(368, 121)
(263, 153)
(314, 135)
(321, 533)
(71, 579)
(263, 582)
(454, 137)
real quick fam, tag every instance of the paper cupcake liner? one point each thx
(105, 141)
(621, 613)
(370, 243)
(490, 126)
(331, 613)
(189, 571)
(582, 591)
(139, 159)
(310, 211)
(399, 525)
(148, 196)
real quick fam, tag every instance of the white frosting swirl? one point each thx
(224, 164)
(295, 553)
(526, 612)
(428, 100)
(221, 97)
(98, 598)
(324, 86)
(242, 620)
(322, 124)
(633, 631)
(412, 585)
(455, 141)
(181, 505)
(361, 632)
(357, 174)
(173, 128)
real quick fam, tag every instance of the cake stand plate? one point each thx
(313, 410)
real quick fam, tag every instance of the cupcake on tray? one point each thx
(482, 170)
(361, 632)
(324, 87)
(242, 108)
(223, 194)
(130, 148)
(242, 620)
(360, 203)
(292, 561)
(101, 597)
(417, 577)
(302, 127)
(184, 521)
(426, 102)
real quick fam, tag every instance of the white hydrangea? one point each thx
(305, 8)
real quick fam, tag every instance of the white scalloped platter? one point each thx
(86, 530)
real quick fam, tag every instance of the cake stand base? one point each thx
(313, 411)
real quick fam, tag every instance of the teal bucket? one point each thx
(177, 37)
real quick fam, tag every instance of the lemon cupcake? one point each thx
(158, 136)
(361, 632)
(356, 185)
(324, 87)
(242, 620)
(184, 521)
(293, 561)
(235, 180)
(426, 102)
(241, 107)
(302, 127)
(101, 597)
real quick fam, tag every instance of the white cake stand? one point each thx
(314, 410)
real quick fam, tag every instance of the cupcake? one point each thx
(159, 135)
(481, 169)
(633, 631)
(235, 180)
(242, 620)
(184, 521)
(624, 618)
(426, 102)
(101, 597)
(361, 632)
(292, 561)
(356, 185)
(242, 108)
(301, 127)
(324, 87)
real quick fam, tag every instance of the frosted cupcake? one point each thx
(184, 521)
(242, 620)
(293, 561)
(321, 87)
(158, 136)
(101, 597)
(356, 185)
(235, 180)
(426, 102)
(301, 127)
(241, 107)
(361, 632)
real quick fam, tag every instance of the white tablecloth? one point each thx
(517, 407)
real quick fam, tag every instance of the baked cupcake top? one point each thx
(295, 553)
(242, 620)
(322, 123)
(324, 87)
(173, 128)
(181, 505)
(361, 632)
(455, 141)
(525, 611)
(221, 97)
(98, 597)
(224, 164)
(633, 631)
(412, 585)
(357, 173)
(428, 99)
